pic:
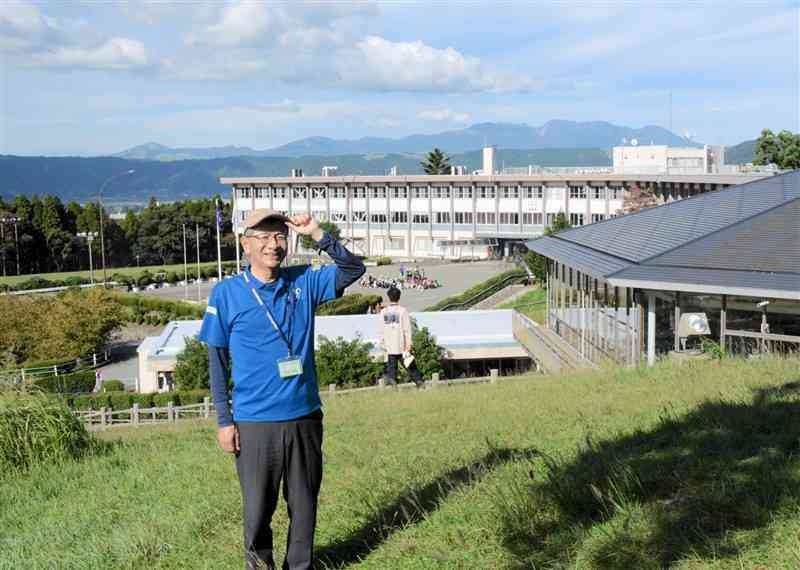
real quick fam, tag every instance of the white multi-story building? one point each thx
(451, 216)
(663, 159)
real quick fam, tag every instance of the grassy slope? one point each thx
(533, 304)
(453, 479)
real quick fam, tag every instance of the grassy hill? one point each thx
(681, 467)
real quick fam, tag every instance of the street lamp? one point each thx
(100, 203)
(89, 236)
(3, 222)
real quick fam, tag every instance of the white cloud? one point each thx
(443, 115)
(115, 53)
(33, 39)
(242, 23)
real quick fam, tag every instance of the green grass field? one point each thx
(98, 273)
(532, 304)
(680, 467)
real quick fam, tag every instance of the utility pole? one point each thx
(185, 267)
(197, 235)
(89, 236)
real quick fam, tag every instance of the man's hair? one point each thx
(394, 294)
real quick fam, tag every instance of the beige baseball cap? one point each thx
(260, 214)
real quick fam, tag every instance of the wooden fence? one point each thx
(105, 418)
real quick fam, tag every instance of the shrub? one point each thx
(36, 283)
(113, 386)
(383, 260)
(172, 278)
(37, 429)
(354, 304)
(144, 400)
(191, 368)
(427, 354)
(75, 383)
(82, 402)
(144, 279)
(162, 399)
(346, 362)
(123, 279)
(75, 281)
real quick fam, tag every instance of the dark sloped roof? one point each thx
(655, 231)
(746, 238)
(765, 242)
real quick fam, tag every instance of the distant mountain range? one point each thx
(742, 153)
(80, 178)
(553, 134)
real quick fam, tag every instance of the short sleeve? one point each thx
(215, 330)
(323, 283)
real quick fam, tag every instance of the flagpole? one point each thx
(219, 246)
(185, 267)
(197, 234)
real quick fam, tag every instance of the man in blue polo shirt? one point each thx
(263, 320)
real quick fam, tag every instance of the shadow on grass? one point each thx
(411, 508)
(649, 499)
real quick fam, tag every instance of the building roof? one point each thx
(454, 331)
(746, 238)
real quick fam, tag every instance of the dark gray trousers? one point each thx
(271, 452)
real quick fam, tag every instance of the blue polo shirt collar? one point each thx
(278, 284)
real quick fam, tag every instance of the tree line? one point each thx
(47, 234)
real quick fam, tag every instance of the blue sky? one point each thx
(90, 78)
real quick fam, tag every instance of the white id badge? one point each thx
(290, 366)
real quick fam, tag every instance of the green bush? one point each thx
(113, 386)
(188, 397)
(144, 400)
(172, 278)
(75, 383)
(75, 281)
(36, 283)
(346, 363)
(354, 304)
(383, 260)
(474, 293)
(81, 402)
(191, 367)
(123, 279)
(162, 399)
(38, 429)
(144, 279)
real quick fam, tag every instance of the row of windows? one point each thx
(462, 218)
(458, 192)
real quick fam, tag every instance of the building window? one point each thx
(339, 193)
(359, 217)
(576, 219)
(400, 217)
(377, 218)
(486, 192)
(462, 192)
(300, 193)
(510, 192)
(598, 193)
(532, 218)
(378, 192)
(399, 192)
(598, 218)
(509, 218)
(320, 216)
(245, 192)
(614, 193)
(577, 192)
(421, 219)
(318, 192)
(485, 218)
(338, 217)
(463, 217)
(420, 192)
(440, 192)
(532, 192)
(359, 192)
(262, 192)
(396, 243)
(279, 192)
(442, 217)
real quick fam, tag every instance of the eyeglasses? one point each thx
(265, 238)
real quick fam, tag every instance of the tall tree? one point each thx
(782, 150)
(436, 162)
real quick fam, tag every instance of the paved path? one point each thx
(455, 278)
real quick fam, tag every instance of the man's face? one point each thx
(265, 245)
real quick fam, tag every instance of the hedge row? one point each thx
(355, 304)
(141, 309)
(125, 401)
(75, 383)
(142, 279)
(475, 290)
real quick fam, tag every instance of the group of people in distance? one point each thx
(409, 279)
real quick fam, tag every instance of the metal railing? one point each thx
(71, 366)
(485, 293)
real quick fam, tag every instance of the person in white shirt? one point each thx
(397, 334)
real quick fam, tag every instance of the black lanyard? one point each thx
(286, 338)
